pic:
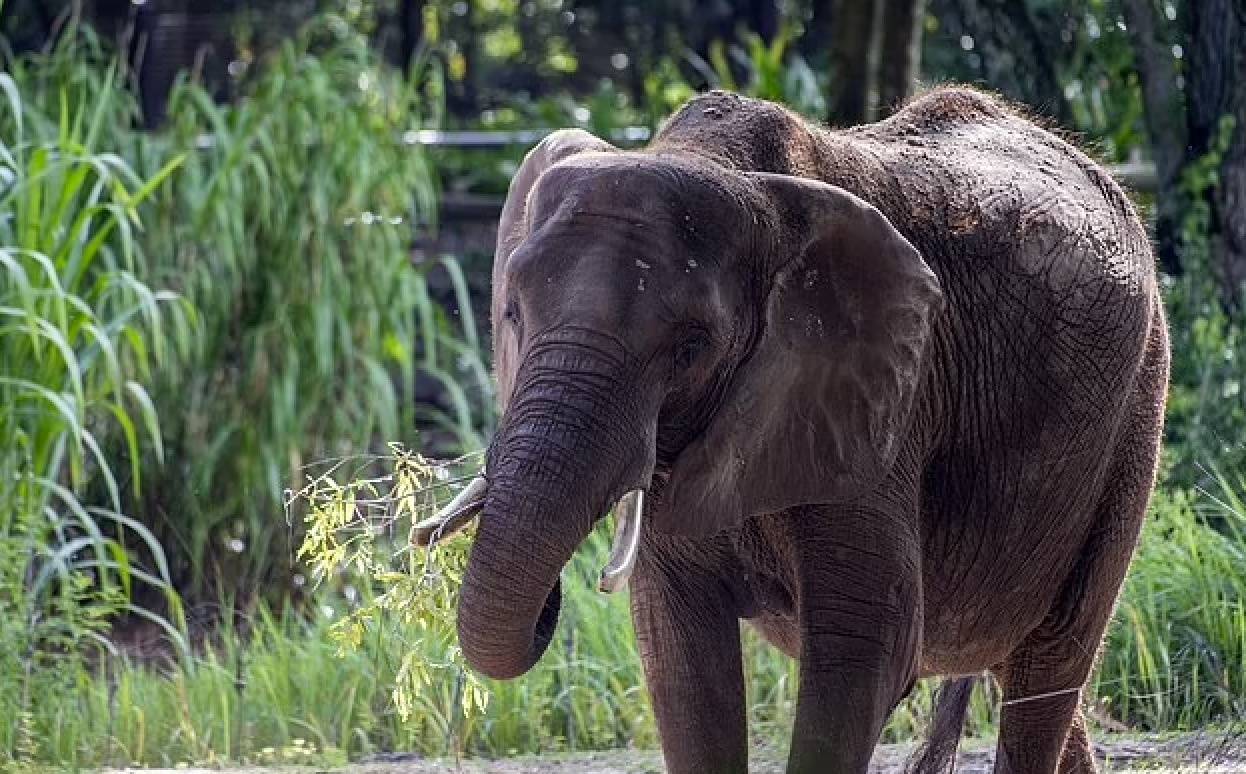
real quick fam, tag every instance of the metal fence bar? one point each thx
(473, 138)
(1136, 175)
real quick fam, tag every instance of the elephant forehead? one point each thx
(591, 251)
(612, 269)
(634, 185)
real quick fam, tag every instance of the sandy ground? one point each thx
(1208, 752)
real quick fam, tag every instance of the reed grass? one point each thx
(80, 329)
(1176, 653)
(183, 316)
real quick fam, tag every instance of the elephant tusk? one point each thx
(627, 522)
(456, 515)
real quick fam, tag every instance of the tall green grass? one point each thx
(79, 332)
(146, 433)
(1176, 653)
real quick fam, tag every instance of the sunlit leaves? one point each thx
(358, 531)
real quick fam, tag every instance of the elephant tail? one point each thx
(938, 754)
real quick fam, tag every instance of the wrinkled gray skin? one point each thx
(897, 403)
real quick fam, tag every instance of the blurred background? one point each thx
(244, 257)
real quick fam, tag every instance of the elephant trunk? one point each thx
(509, 601)
(565, 448)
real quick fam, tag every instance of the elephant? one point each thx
(891, 394)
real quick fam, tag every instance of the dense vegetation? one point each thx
(199, 322)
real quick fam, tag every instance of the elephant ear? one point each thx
(818, 411)
(513, 227)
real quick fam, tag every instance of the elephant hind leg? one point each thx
(1079, 755)
(1043, 677)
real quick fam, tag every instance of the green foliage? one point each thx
(288, 228)
(1206, 404)
(1097, 72)
(79, 331)
(1176, 655)
(282, 220)
(287, 234)
(771, 70)
(1198, 178)
(272, 694)
(352, 529)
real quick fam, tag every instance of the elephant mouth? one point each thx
(461, 511)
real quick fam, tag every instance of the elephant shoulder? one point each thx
(941, 108)
(741, 133)
(1003, 191)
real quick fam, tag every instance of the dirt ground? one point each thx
(1205, 753)
(1219, 752)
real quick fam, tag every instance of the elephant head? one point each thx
(736, 343)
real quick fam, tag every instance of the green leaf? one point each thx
(147, 411)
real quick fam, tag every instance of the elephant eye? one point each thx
(690, 348)
(511, 313)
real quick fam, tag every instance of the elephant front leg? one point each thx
(689, 640)
(860, 620)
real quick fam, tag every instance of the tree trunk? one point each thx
(1015, 59)
(813, 44)
(1216, 106)
(1165, 120)
(763, 18)
(899, 62)
(852, 28)
(110, 17)
(463, 100)
(412, 20)
(168, 42)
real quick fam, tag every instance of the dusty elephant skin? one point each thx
(895, 395)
